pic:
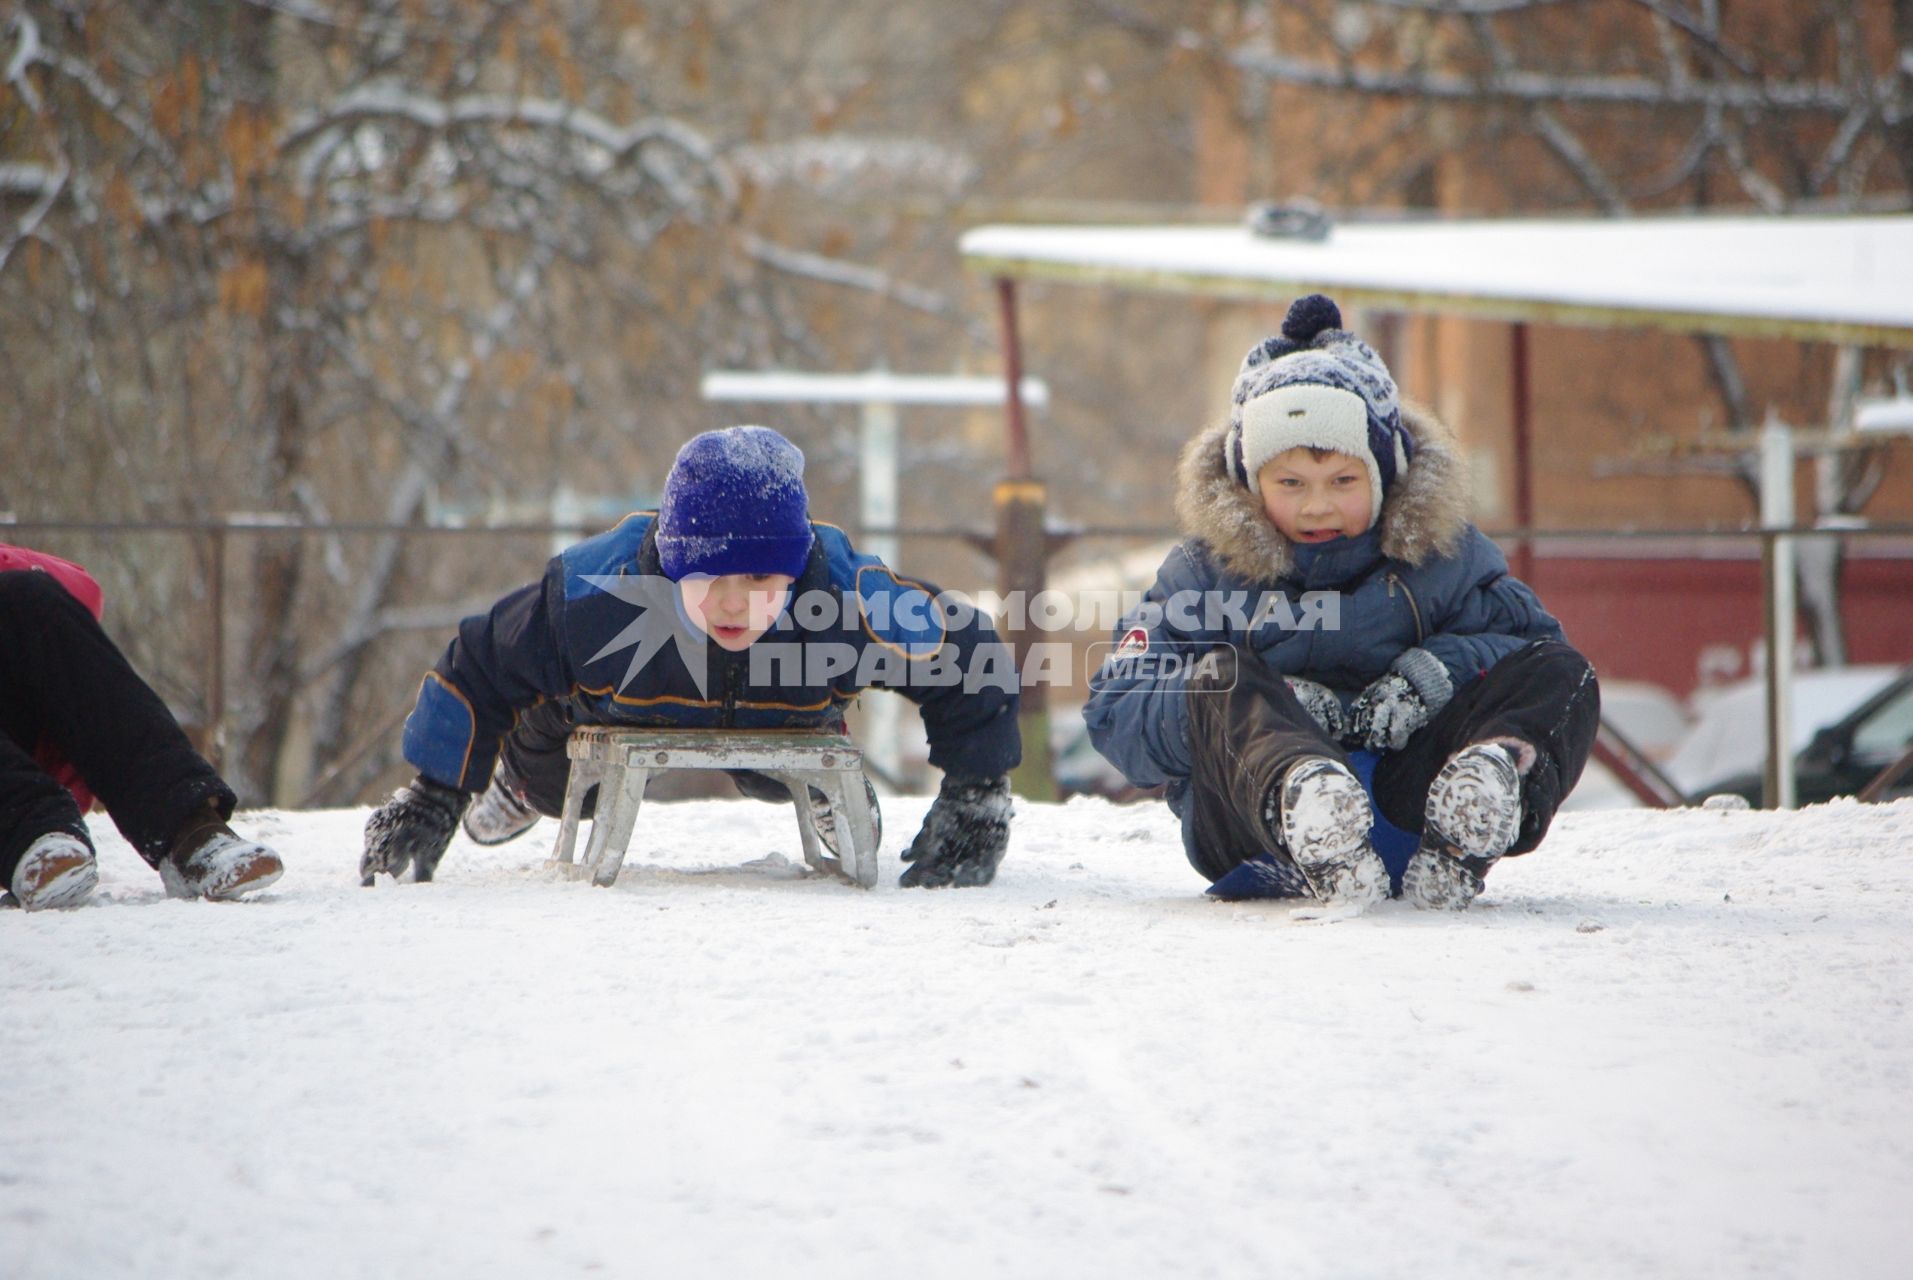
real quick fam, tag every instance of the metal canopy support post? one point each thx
(1523, 415)
(1777, 553)
(1022, 553)
(1019, 438)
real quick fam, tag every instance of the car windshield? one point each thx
(1883, 736)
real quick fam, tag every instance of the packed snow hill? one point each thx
(1666, 1044)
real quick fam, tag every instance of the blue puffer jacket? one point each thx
(1339, 613)
(603, 631)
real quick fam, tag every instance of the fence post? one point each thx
(216, 657)
(1776, 513)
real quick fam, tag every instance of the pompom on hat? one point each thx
(1316, 385)
(735, 503)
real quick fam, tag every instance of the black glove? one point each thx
(412, 829)
(964, 835)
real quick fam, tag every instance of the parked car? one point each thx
(1079, 768)
(1848, 725)
(1652, 720)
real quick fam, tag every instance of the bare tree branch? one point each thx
(1559, 138)
(1840, 149)
(1755, 183)
(46, 186)
(1468, 8)
(1780, 97)
(375, 584)
(852, 275)
(30, 52)
(390, 103)
(25, 54)
(1704, 33)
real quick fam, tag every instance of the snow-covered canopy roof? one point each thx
(1847, 280)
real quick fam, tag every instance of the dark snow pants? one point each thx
(65, 684)
(1246, 728)
(533, 758)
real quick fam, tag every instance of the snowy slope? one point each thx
(1665, 1045)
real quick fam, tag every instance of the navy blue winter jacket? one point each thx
(603, 631)
(1341, 613)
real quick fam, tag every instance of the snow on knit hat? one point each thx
(734, 503)
(1316, 385)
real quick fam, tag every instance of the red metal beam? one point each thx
(1634, 770)
(1877, 788)
(1523, 413)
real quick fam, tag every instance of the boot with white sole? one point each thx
(211, 860)
(1473, 816)
(57, 870)
(1323, 817)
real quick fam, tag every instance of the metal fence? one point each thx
(494, 558)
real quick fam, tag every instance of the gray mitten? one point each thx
(412, 829)
(1321, 704)
(964, 835)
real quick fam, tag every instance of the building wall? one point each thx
(1687, 622)
(1622, 422)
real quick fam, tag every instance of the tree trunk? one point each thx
(272, 665)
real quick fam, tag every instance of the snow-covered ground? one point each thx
(1665, 1045)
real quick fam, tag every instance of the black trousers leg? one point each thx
(1245, 730)
(1545, 695)
(759, 786)
(64, 681)
(31, 805)
(533, 756)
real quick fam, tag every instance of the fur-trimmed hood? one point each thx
(1425, 513)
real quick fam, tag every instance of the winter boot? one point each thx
(57, 870)
(500, 814)
(1321, 815)
(211, 860)
(1473, 815)
(824, 818)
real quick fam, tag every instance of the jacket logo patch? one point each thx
(1135, 641)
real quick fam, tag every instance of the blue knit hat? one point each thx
(734, 503)
(1317, 385)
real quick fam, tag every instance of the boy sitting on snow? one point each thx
(1345, 625)
(747, 616)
